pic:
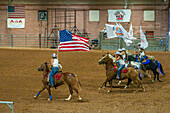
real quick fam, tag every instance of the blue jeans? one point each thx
(53, 71)
(141, 59)
(119, 70)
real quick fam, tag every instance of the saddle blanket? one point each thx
(57, 75)
(124, 70)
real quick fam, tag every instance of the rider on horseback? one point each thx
(141, 54)
(55, 69)
(120, 62)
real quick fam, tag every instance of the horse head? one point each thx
(42, 67)
(106, 58)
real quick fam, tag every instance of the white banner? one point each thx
(144, 42)
(121, 15)
(126, 37)
(16, 23)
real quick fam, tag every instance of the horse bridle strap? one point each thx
(109, 70)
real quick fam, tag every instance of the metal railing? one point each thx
(20, 40)
(157, 43)
(35, 40)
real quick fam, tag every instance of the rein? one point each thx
(47, 71)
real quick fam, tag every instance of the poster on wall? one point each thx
(120, 15)
(42, 15)
(16, 23)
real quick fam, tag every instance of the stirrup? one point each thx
(118, 78)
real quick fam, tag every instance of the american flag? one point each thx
(72, 42)
(16, 11)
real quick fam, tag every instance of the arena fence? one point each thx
(36, 40)
(158, 43)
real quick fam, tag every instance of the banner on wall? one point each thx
(16, 23)
(121, 15)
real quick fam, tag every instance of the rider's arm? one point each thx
(60, 66)
(122, 53)
(118, 58)
(137, 52)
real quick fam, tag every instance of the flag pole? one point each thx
(58, 45)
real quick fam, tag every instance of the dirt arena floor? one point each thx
(20, 81)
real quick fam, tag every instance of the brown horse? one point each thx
(70, 79)
(131, 75)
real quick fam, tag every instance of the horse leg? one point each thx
(154, 76)
(137, 82)
(142, 86)
(110, 82)
(77, 91)
(158, 77)
(71, 92)
(110, 87)
(119, 82)
(103, 84)
(107, 79)
(42, 89)
(49, 92)
(129, 81)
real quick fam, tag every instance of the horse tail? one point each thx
(160, 68)
(143, 72)
(78, 83)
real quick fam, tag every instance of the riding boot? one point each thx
(118, 78)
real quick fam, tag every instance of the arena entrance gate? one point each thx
(63, 18)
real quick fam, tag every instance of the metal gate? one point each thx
(63, 18)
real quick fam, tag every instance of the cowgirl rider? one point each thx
(121, 63)
(55, 69)
(141, 54)
(124, 54)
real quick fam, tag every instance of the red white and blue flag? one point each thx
(16, 11)
(72, 42)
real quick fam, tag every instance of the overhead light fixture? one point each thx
(125, 4)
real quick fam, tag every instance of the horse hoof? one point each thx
(35, 97)
(108, 91)
(135, 91)
(80, 98)
(153, 80)
(49, 99)
(119, 82)
(160, 80)
(144, 90)
(67, 99)
(99, 89)
(125, 87)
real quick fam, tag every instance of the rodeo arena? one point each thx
(84, 56)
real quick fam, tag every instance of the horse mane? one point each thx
(47, 68)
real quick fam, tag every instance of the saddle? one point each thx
(124, 70)
(56, 75)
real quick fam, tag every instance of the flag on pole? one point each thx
(113, 31)
(144, 42)
(131, 33)
(126, 38)
(72, 42)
